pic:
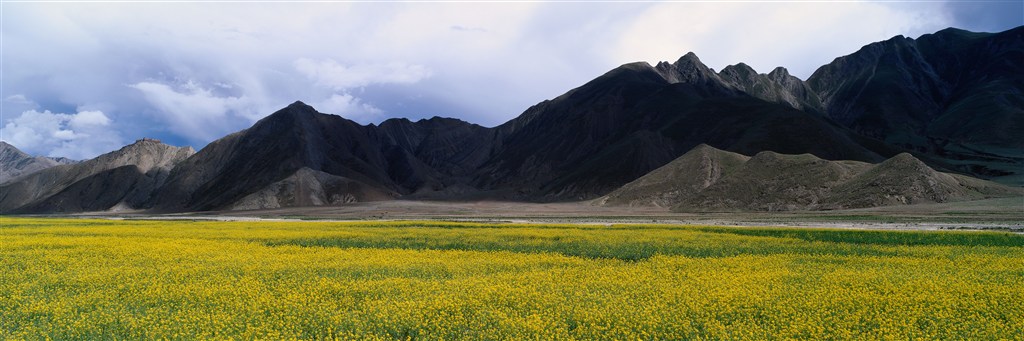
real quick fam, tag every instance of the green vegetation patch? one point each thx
(879, 237)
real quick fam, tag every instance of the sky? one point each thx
(81, 79)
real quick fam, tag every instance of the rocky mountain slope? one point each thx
(954, 95)
(638, 117)
(14, 163)
(298, 156)
(122, 179)
(708, 179)
(682, 178)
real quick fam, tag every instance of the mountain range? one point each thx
(927, 112)
(14, 163)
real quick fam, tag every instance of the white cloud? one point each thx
(18, 99)
(196, 112)
(350, 107)
(83, 135)
(85, 119)
(340, 77)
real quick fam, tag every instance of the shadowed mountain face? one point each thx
(636, 118)
(954, 95)
(953, 98)
(14, 163)
(326, 156)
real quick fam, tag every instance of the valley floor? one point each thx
(991, 214)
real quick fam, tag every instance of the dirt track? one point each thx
(993, 214)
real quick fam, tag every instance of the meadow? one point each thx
(146, 279)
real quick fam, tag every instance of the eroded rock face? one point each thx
(684, 177)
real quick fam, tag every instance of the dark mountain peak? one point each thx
(395, 121)
(441, 120)
(779, 73)
(740, 69)
(956, 32)
(898, 42)
(688, 58)
(637, 71)
(435, 122)
(300, 105)
(690, 61)
(297, 114)
(688, 69)
(636, 66)
(298, 108)
(952, 30)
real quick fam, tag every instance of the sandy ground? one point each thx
(993, 214)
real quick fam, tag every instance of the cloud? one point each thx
(195, 112)
(340, 77)
(82, 135)
(350, 107)
(468, 29)
(18, 99)
(88, 119)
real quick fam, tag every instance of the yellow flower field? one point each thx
(108, 279)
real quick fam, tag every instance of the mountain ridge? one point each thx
(14, 163)
(126, 176)
(605, 135)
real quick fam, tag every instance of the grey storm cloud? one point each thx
(189, 73)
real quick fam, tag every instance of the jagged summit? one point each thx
(687, 69)
(296, 109)
(300, 105)
(740, 69)
(779, 73)
(688, 58)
